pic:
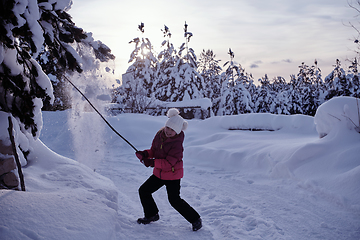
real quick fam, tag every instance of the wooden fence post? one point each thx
(21, 176)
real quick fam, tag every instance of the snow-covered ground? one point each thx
(282, 183)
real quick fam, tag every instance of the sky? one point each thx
(267, 37)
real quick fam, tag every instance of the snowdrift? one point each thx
(338, 113)
(67, 200)
(63, 199)
(329, 165)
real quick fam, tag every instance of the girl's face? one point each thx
(169, 132)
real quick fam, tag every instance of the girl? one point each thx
(165, 155)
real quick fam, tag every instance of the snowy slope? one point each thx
(286, 183)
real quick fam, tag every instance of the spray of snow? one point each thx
(86, 126)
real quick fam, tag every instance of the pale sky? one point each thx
(268, 37)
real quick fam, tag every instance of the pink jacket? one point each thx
(168, 154)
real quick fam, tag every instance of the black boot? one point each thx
(146, 220)
(197, 225)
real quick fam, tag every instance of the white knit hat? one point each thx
(175, 121)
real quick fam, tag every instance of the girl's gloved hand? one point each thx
(141, 155)
(148, 162)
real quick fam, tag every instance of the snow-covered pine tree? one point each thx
(137, 83)
(279, 90)
(23, 85)
(353, 78)
(318, 84)
(61, 40)
(336, 83)
(167, 59)
(271, 96)
(210, 70)
(243, 85)
(294, 96)
(264, 96)
(353, 72)
(308, 93)
(26, 29)
(227, 103)
(49, 64)
(184, 82)
(235, 97)
(251, 88)
(144, 63)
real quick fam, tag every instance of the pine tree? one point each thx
(143, 61)
(137, 83)
(183, 80)
(90, 54)
(318, 84)
(235, 97)
(244, 87)
(280, 102)
(167, 59)
(30, 31)
(210, 71)
(23, 85)
(227, 104)
(308, 93)
(353, 78)
(294, 96)
(264, 96)
(336, 82)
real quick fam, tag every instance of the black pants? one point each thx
(173, 190)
